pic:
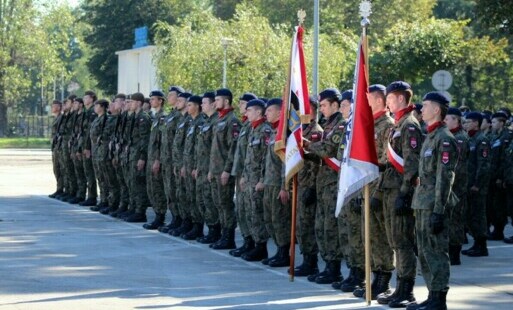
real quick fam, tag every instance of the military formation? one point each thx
(444, 173)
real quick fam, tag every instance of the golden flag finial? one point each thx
(301, 15)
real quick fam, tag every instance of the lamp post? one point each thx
(225, 42)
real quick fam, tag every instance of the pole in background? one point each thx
(315, 75)
(225, 42)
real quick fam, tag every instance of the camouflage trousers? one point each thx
(204, 200)
(222, 196)
(90, 177)
(433, 252)
(382, 256)
(57, 170)
(124, 196)
(476, 215)
(111, 179)
(305, 225)
(457, 222)
(78, 167)
(155, 190)
(255, 214)
(181, 195)
(70, 181)
(243, 209)
(170, 188)
(400, 235)
(356, 251)
(138, 194)
(100, 175)
(192, 196)
(496, 208)
(327, 231)
(277, 216)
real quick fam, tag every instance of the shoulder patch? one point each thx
(336, 138)
(413, 142)
(445, 157)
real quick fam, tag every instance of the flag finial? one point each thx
(301, 15)
(365, 12)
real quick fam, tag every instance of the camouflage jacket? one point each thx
(191, 138)
(461, 178)
(99, 140)
(383, 123)
(240, 149)
(168, 136)
(507, 166)
(67, 130)
(76, 137)
(204, 144)
(259, 138)
(88, 118)
(155, 141)
(125, 135)
(479, 162)
(274, 174)
(499, 142)
(225, 134)
(140, 136)
(57, 122)
(306, 176)
(438, 159)
(179, 141)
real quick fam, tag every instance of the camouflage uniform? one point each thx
(507, 170)
(76, 147)
(89, 116)
(99, 153)
(138, 150)
(190, 164)
(155, 183)
(124, 157)
(166, 160)
(460, 188)
(116, 147)
(109, 169)
(438, 158)
(178, 163)
(243, 203)
(56, 161)
(70, 181)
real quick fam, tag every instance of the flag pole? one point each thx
(365, 10)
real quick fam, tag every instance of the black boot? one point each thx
(66, 197)
(422, 306)
(338, 285)
(186, 226)
(480, 250)
(89, 202)
(314, 276)
(157, 222)
(385, 297)
(283, 258)
(438, 300)
(360, 292)
(76, 200)
(194, 233)
(97, 207)
(308, 267)
(454, 254)
(266, 260)
(472, 248)
(357, 281)
(175, 223)
(137, 217)
(126, 214)
(258, 253)
(249, 244)
(333, 274)
(57, 193)
(227, 242)
(107, 209)
(405, 296)
(214, 233)
(119, 211)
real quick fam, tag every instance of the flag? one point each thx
(360, 161)
(295, 110)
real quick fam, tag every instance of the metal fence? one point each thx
(30, 126)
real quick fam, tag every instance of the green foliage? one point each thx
(24, 143)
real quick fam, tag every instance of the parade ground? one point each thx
(54, 255)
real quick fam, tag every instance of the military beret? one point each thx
(505, 111)
(398, 86)
(255, 103)
(184, 95)
(330, 93)
(177, 89)
(274, 101)
(137, 97)
(225, 92)
(120, 96)
(247, 97)
(418, 107)
(210, 95)
(157, 93)
(195, 99)
(438, 97)
(79, 100)
(314, 101)
(500, 114)
(454, 111)
(57, 102)
(347, 95)
(474, 116)
(377, 87)
(486, 116)
(104, 103)
(264, 99)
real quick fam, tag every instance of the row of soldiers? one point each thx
(207, 166)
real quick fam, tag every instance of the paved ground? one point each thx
(57, 256)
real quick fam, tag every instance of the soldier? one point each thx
(243, 203)
(168, 136)
(138, 156)
(89, 116)
(382, 256)
(507, 170)
(486, 126)
(75, 145)
(63, 144)
(155, 182)
(57, 122)
(177, 154)
(225, 133)
(190, 164)
(307, 202)
(403, 151)
(252, 180)
(325, 146)
(433, 200)
(496, 204)
(478, 181)
(457, 217)
(203, 191)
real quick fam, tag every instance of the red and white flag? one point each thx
(294, 112)
(360, 161)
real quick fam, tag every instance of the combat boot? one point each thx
(266, 260)
(194, 233)
(283, 258)
(57, 193)
(405, 296)
(157, 222)
(227, 242)
(497, 234)
(333, 274)
(360, 292)
(480, 250)
(89, 202)
(214, 233)
(249, 244)
(338, 285)
(65, 197)
(438, 300)
(258, 253)
(465, 252)
(308, 267)
(454, 254)
(385, 297)
(186, 226)
(121, 209)
(95, 208)
(422, 306)
(357, 281)
(76, 200)
(126, 214)
(175, 223)
(137, 217)
(108, 209)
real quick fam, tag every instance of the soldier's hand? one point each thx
(156, 167)
(283, 196)
(194, 174)
(309, 196)
(79, 155)
(182, 172)
(402, 205)
(140, 164)
(242, 183)
(474, 188)
(436, 223)
(225, 176)
(209, 176)
(376, 205)
(259, 187)
(306, 142)
(87, 153)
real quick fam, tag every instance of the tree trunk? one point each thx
(3, 111)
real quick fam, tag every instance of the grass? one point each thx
(24, 143)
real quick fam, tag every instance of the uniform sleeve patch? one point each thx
(336, 138)
(413, 142)
(445, 158)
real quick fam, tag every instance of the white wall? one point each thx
(136, 71)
